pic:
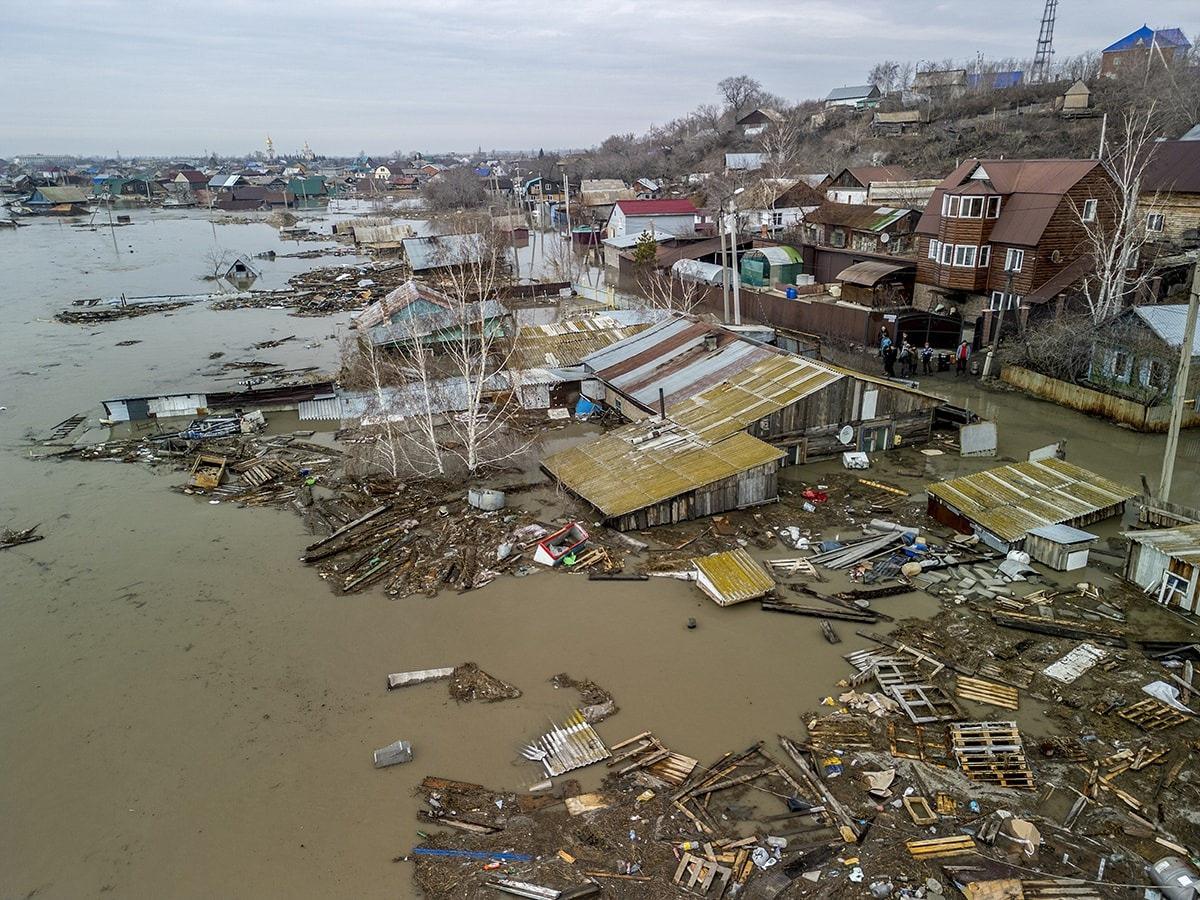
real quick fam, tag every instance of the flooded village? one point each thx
(797, 499)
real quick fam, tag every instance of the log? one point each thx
(831, 802)
(350, 526)
(820, 612)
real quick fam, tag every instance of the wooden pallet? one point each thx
(1152, 715)
(646, 752)
(702, 877)
(918, 742)
(839, 732)
(992, 752)
(936, 848)
(924, 703)
(987, 692)
(797, 566)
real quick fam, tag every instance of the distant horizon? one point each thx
(449, 73)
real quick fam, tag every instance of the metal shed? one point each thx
(1060, 547)
(1165, 562)
(765, 266)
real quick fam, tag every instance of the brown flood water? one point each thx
(188, 712)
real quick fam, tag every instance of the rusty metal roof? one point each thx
(1182, 543)
(732, 577)
(566, 343)
(857, 216)
(1174, 166)
(648, 462)
(1011, 500)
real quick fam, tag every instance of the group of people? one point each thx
(908, 356)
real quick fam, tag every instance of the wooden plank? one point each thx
(987, 692)
(406, 679)
(935, 848)
(919, 811)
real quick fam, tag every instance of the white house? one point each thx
(678, 217)
(864, 96)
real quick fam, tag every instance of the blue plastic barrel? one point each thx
(791, 293)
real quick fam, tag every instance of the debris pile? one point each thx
(468, 682)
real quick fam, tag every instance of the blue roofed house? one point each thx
(1142, 48)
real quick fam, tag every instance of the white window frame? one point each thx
(935, 247)
(967, 208)
(1014, 259)
(965, 255)
(945, 206)
(777, 218)
(955, 201)
(1014, 301)
(1089, 210)
(985, 256)
(947, 254)
(993, 208)
(1153, 219)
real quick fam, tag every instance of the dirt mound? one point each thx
(599, 702)
(469, 682)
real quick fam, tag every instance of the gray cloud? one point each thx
(162, 76)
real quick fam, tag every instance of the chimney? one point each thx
(710, 342)
(662, 404)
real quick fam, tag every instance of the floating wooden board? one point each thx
(1152, 715)
(838, 732)
(918, 742)
(702, 877)
(646, 752)
(935, 848)
(919, 811)
(987, 692)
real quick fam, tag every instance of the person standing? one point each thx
(907, 364)
(960, 358)
(927, 359)
(889, 360)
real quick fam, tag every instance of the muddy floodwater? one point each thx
(189, 712)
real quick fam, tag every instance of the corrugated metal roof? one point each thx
(1168, 321)
(1010, 500)
(694, 270)
(645, 463)
(853, 92)
(1145, 36)
(869, 272)
(566, 343)
(778, 255)
(1063, 534)
(625, 241)
(657, 207)
(732, 577)
(857, 216)
(1182, 543)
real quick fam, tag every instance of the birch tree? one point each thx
(669, 291)
(1115, 229)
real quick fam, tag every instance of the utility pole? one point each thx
(570, 236)
(724, 263)
(987, 363)
(1181, 379)
(737, 278)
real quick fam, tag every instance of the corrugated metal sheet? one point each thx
(1009, 501)
(1182, 543)
(868, 273)
(1063, 534)
(777, 256)
(752, 394)
(646, 463)
(381, 234)
(732, 577)
(443, 250)
(1168, 321)
(566, 343)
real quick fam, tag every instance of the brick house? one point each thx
(1027, 216)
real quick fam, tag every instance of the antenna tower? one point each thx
(1045, 44)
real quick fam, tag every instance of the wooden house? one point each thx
(991, 217)
(58, 201)
(1169, 203)
(852, 184)
(758, 120)
(940, 84)
(1077, 100)
(870, 229)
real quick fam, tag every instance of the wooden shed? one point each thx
(1060, 547)
(1165, 563)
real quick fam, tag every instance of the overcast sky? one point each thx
(167, 77)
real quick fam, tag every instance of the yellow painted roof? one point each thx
(627, 469)
(732, 577)
(1010, 500)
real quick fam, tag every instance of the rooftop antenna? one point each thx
(1045, 45)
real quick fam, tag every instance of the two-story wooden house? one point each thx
(992, 218)
(1169, 202)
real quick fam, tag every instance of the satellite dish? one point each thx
(846, 435)
(884, 238)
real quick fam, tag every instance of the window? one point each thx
(947, 254)
(933, 250)
(837, 238)
(993, 207)
(946, 205)
(972, 208)
(998, 298)
(964, 255)
(1013, 260)
(1089, 211)
(1157, 375)
(1134, 258)
(1154, 222)
(954, 201)
(1120, 366)
(777, 219)
(985, 256)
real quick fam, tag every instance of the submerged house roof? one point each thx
(1009, 501)
(1182, 543)
(55, 196)
(441, 251)
(732, 577)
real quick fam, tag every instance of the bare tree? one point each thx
(709, 115)
(739, 91)
(884, 75)
(669, 290)
(1116, 230)
(454, 189)
(781, 148)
